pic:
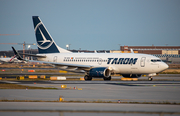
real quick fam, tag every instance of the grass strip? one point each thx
(15, 86)
(99, 101)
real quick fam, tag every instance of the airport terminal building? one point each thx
(166, 53)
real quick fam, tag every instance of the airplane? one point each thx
(9, 60)
(94, 65)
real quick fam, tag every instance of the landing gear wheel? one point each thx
(107, 78)
(87, 78)
(150, 78)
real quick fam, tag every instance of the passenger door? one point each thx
(142, 63)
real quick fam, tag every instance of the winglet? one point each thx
(17, 54)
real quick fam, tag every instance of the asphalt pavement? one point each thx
(128, 97)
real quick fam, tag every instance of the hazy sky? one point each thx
(92, 24)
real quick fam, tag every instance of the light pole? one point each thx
(119, 46)
(68, 46)
(29, 46)
(166, 53)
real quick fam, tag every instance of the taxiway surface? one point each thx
(110, 91)
(81, 109)
(126, 91)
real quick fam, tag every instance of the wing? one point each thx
(63, 66)
(66, 66)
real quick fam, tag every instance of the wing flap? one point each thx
(66, 66)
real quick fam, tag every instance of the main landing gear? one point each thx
(107, 78)
(150, 78)
(87, 78)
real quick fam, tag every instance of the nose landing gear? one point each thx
(150, 78)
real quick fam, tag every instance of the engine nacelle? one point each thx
(132, 75)
(100, 72)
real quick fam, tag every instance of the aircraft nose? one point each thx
(164, 66)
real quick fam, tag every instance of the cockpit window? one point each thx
(156, 60)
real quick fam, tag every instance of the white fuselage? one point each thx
(122, 63)
(10, 60)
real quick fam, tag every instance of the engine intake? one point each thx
(100, 72)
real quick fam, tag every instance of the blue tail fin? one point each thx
(44, 40)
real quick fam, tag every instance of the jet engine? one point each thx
(100, 72)
(132, 75)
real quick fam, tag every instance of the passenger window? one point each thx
(155, 60)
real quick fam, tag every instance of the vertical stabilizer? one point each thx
(44, 40)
